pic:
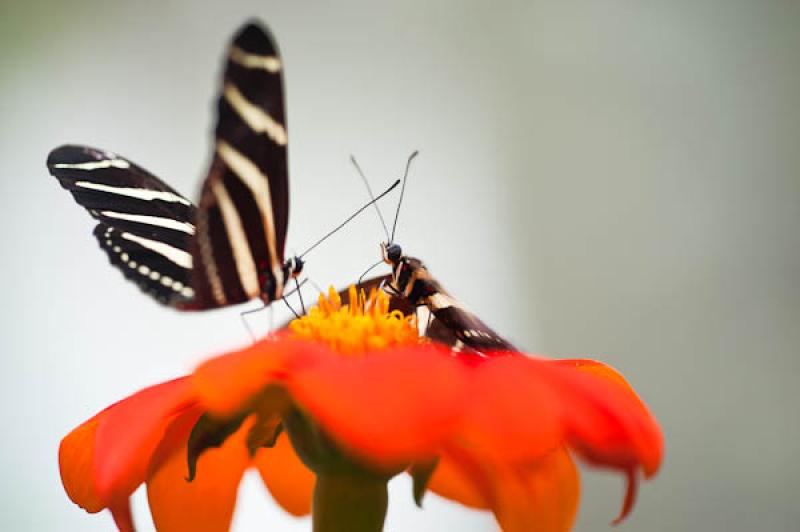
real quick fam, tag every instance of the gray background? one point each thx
(613, 178)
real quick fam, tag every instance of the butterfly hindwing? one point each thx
(161, 272)
(243, 210)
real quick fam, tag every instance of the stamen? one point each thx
(363, 325)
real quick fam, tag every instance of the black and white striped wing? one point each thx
(145, 226)
(443, 319)
(243, 210)
(452, 324)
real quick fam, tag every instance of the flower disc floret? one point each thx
(363, 325)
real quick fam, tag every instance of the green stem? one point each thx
(348, 502)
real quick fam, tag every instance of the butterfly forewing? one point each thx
(145, 226)
(460, 328)
(243, 210)
(441, 318)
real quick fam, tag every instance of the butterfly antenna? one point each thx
(402, 192)
(367, 271)
(359, 211)
(371, 195)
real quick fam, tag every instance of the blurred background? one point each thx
(619, 179)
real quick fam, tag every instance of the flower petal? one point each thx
(542, 497)
(450, 480)
(608, 423)
(630, 497)
(289, 481)
(121, 512)
(513, 413)
(128, 434)
(75, 461)
(226, 383)
(396, 406)
(206, 503)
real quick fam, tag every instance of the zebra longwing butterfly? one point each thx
(448, 321)
(230, 247)
(412, 289)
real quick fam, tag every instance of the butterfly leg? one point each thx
(244, 320)
(300, 295)
(286, 301)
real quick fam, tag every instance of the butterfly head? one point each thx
(294, 266)
(410, 277)
(392, 253)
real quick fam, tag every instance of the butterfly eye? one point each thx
(394, 252)
(297, 265)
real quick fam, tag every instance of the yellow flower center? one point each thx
(363, 325)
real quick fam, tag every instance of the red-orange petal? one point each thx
(542, 497)
(75, 460)
(396, 406)
(206, 503)
(514, 414)
(631, 488)
(608, 423)
(226, 383)
(129, 433)
(451, 481)
(289, 481)
(599, 369)
(121, 512)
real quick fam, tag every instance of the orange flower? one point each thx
(360, 396)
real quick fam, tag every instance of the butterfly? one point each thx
(227, 249)
(413, 290)
(445, 319)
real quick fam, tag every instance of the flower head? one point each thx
(351, 391)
